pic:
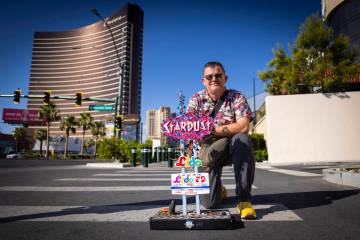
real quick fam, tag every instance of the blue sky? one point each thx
(179, 38)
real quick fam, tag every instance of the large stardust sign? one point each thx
(188, 127)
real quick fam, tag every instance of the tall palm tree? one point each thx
(98, 129)
(86, 121)
(41, 135)
(49, 113)
(18, 134)
(68, 124)
(89, 143)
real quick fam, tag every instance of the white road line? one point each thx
(289, 172)
(94, 189)
(141, 174)
(159, 171)
(122, 179)
(120, 213)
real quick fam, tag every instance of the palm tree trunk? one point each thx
(47, 140)
(97, 136)
(66, 145)
(16, 145)
(41, 147)
(82, 142)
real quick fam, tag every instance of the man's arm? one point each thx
(229, 130)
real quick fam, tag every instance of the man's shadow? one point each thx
(294, 201)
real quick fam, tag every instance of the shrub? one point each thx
(259, 147)
(115, 149)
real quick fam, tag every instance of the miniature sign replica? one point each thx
(188, 128)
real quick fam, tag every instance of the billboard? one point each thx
(22, 116)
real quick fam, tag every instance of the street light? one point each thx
(121, 72)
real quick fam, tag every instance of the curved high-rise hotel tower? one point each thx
(85, 60)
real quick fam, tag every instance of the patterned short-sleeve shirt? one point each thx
(234, 107)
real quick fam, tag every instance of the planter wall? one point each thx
(309, 128)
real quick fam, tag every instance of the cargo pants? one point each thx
(216, 154)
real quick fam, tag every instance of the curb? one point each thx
(334, 175)
(109, 165)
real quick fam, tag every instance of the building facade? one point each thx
(344, 17)
(154, 118)
(85, 60)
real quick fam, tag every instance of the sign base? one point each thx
(215, 219)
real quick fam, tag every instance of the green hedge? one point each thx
(259, 147)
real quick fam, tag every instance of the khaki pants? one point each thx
(216, 153)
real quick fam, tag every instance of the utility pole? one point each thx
(254, 121)
(119, 99)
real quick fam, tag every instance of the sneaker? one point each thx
(246, 210)
(223, 193)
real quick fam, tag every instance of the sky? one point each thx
(179, 38)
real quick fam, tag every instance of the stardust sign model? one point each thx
(189, 128)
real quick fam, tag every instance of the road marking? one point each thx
(289, 172)
(159, 171)
(123, 179)
(120, 213)
(94, 189)
(141, 174)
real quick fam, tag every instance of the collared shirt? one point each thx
(234, 107)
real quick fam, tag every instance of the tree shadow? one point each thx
(292, 201)
(341, 95)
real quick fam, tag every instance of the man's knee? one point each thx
(241, 139)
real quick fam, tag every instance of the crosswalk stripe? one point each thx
(94, 189)
(123, 179)
(289, 172)
(121, 213)
(141, 174)
(158, 171)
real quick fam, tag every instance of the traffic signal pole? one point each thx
(109, 100)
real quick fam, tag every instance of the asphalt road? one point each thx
(41, 200)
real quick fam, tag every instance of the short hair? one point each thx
(213, 64)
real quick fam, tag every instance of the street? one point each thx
(74, 201)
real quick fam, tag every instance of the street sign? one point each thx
(101, 108)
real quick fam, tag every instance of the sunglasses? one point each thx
(217, 76)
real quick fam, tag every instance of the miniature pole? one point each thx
(182, 147)
(182, 150)
(197, 197)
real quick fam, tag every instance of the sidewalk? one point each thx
(342, 173)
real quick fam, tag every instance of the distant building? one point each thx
(85, 60)
(154, 118)
(344, 17)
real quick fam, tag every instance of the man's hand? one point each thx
(229, 130)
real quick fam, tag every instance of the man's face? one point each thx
(214, 79)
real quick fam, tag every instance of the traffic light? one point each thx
(78, 99)
(17, 96)
(118, 122)
(46, 100)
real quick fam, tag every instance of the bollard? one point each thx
(155, 154)
(162, 154)
(150, 155)
(147, 157)
(170, 157)
(158, 159)
(133, 154)
(143, 156)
